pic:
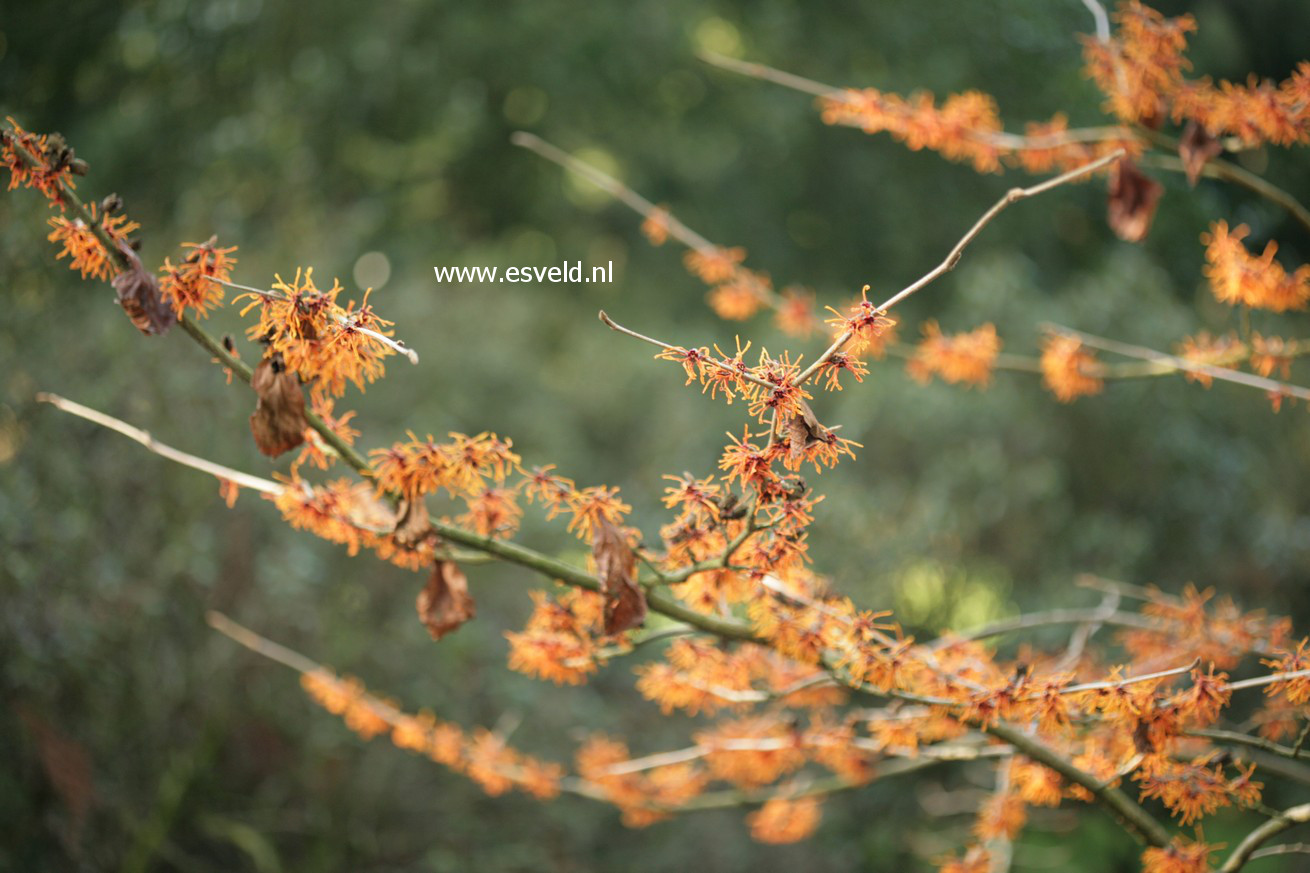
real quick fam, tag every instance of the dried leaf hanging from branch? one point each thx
(278, 421)
(803, 432)
(1133, 198)
(1196, 147)
(138, 294)
(412, 523)
(616, 566)
(445, 603)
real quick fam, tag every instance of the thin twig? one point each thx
(261, 645)
(1131, 680)
(1102, 19)
(613, 187)
(614, 325)
(659, 601)
(1044, 619)
(245, 480)
(1014, 195)
(1218, 168)
(1275, 826)
(1084, 631)
(1241, 739)
(1011, 141)
(1223, 373)
(1284, 849)
(1259, 681)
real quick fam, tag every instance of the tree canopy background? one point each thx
(315, 137)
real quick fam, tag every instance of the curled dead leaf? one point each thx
(138, 294)
(1196, 147)
(445, 603)
(1133, 198)
(616, 566)
(412, 523)
(278, 421)
(803, 432)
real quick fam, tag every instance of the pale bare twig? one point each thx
(245, 480)
(1222, 373)
(1014, 195)
(1240, 739)
(1084, 631)
(614, 325)
(1270, 829)
(1284, 849)
(1102, 19)
(1130, 680)
(1048, 618)
(1270, 679)
(630, 198)
(1011, 141)
(611, 186)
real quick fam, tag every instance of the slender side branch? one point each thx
(1033, 620)
(1131, 680)
(188, 323)
(1284, 849)
(659, 601)
(260, 645)
(614, 325)
(1218, 168)
(1272, 828)
(1014, 195)
(245, 480)
(1013, 141)
(1223, 373)
(1240, 739)
(611, 186)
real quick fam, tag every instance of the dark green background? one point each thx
(310, 134)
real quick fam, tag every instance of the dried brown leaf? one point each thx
(138, 294)
(445, 603)
(278, 421)
(1133, 198)
(616, 566)
(412, 523)
(803, 432)
(1196, 147)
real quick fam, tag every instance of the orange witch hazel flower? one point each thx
(715, 265)
(740, 297)
(1236, 276)
(785, 820)
(867, 325)
(655, 227)
(40, 161)
(795, 312)
(326, 344)
(190, 284)
(1143, 65)
(964, 357)
(1065, 369)
(85, 252)
(1180, 856)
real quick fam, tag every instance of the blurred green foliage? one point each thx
(349, 136)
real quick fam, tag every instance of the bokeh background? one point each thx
(371, 141)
